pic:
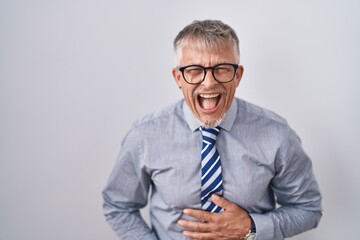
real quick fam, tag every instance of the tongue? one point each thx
(208, 103)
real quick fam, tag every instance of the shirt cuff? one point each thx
(264, 226)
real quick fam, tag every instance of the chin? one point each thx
(210, 121)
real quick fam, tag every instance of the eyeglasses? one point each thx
(222, 73)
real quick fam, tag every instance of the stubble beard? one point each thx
(209, 122)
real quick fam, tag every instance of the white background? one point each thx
(74, 75)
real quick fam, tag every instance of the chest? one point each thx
(175, 170)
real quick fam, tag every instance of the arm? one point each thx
(126, 192)
(296, 191)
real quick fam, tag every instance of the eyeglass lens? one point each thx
(222, 73)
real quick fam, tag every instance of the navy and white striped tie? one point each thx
(211, 176)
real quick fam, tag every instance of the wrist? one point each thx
(252, 226)
(252, 231)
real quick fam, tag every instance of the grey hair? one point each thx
(206, 34)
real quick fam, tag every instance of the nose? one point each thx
(209, 79)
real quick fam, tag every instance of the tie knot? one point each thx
(209, 134)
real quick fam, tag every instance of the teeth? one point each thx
(209, 95)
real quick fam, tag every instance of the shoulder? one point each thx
(249, 111)
(161, 117)
(153, 125)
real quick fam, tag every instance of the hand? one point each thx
(232, 223)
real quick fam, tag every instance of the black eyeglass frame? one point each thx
(235, 66)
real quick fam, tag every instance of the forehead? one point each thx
(207, 55)
(190, 49)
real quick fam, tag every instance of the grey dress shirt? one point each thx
(265, 171)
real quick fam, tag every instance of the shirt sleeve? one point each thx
(126, 192)
(296, 191)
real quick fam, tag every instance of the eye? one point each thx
(223, 69)
(194, 71)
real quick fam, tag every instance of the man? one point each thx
(217, 165)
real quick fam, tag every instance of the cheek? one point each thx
(188, 92)
(230, 94)
(188, 95)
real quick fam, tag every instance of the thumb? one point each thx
(221, 202)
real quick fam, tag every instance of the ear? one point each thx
(239, 74)
(177, 77)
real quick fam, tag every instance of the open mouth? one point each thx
(209, 101)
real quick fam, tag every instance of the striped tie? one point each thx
(211, 177)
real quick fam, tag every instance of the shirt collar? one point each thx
(226, 124)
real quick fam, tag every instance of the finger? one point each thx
(194, 226)
(199, 214)
(222, 202)
(200, 236)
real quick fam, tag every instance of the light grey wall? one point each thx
(74, 75)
